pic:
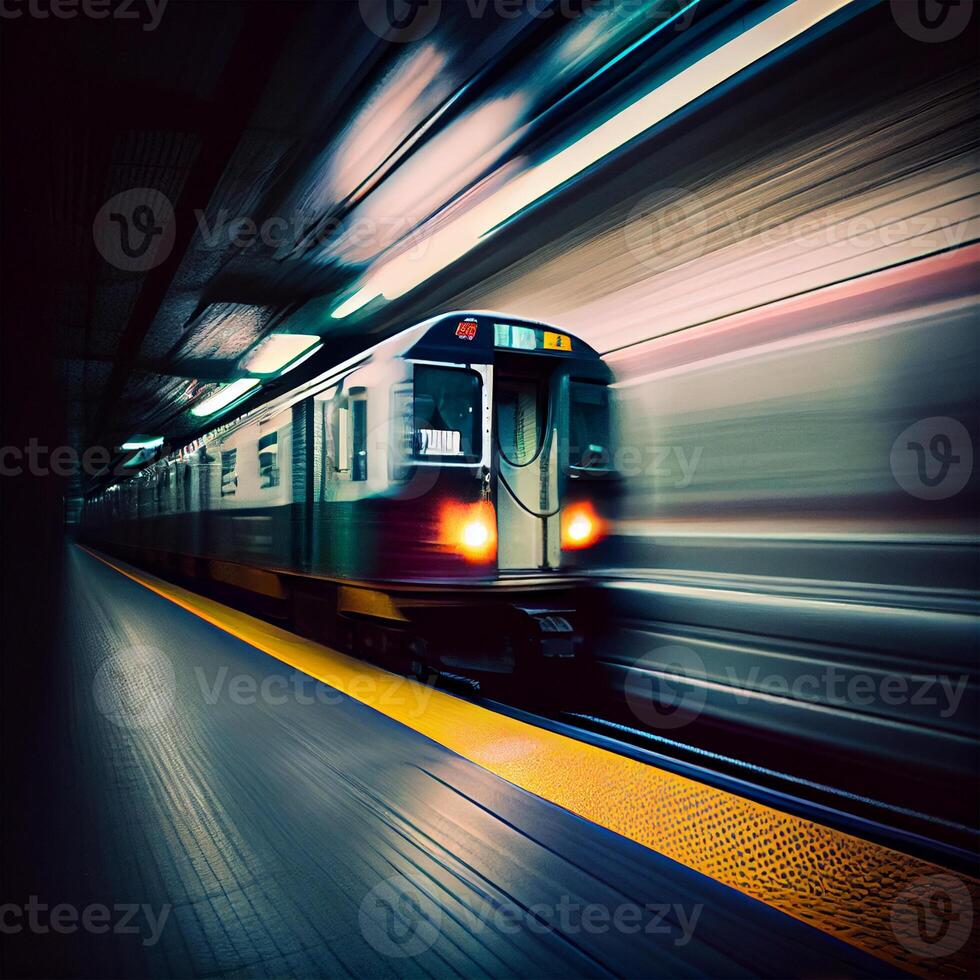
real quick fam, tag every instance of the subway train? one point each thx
(432, 502)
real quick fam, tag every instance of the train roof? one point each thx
(442, 338)
(458, 336)
(475, 336)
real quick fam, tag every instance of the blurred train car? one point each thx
(797, 555)
(786, 288)
(429, 501)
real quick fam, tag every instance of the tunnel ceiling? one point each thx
(300, 148)
(300, 118)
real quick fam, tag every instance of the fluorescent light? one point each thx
(302, 358)
(143, 442)
(224, 397)
(454, 240)
(361, 298)
(277, 350)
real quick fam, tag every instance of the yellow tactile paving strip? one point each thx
(868, 895)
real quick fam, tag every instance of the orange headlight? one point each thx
(470, 530)
(581, 526)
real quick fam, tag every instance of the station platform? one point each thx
(271, 807)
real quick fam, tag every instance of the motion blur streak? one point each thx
(738, 230)
(942, 282)
(780, 297)
(840, 884)
(451, 242)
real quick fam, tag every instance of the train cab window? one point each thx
(522, 414)
(588, 442)
(229, 472)
(447, 416)
(269, 460)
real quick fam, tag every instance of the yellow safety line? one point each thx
(861, 892)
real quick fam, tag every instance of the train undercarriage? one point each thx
(527, 632)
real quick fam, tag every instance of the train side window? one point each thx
(588, 442)
(346, 448)
(358, 411)
(165, 501)
(342, 449)
(161, 490)
(447, 414)
(402, 433)
(229, 472)
(269, 460)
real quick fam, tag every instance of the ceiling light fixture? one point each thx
(143, 442)
(224, 397)
(274, 352)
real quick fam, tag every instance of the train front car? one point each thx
(500, 481)
(433, 503)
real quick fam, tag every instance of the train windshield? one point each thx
(447, 414)
(588, 444)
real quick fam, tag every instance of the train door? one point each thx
(526, 422)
